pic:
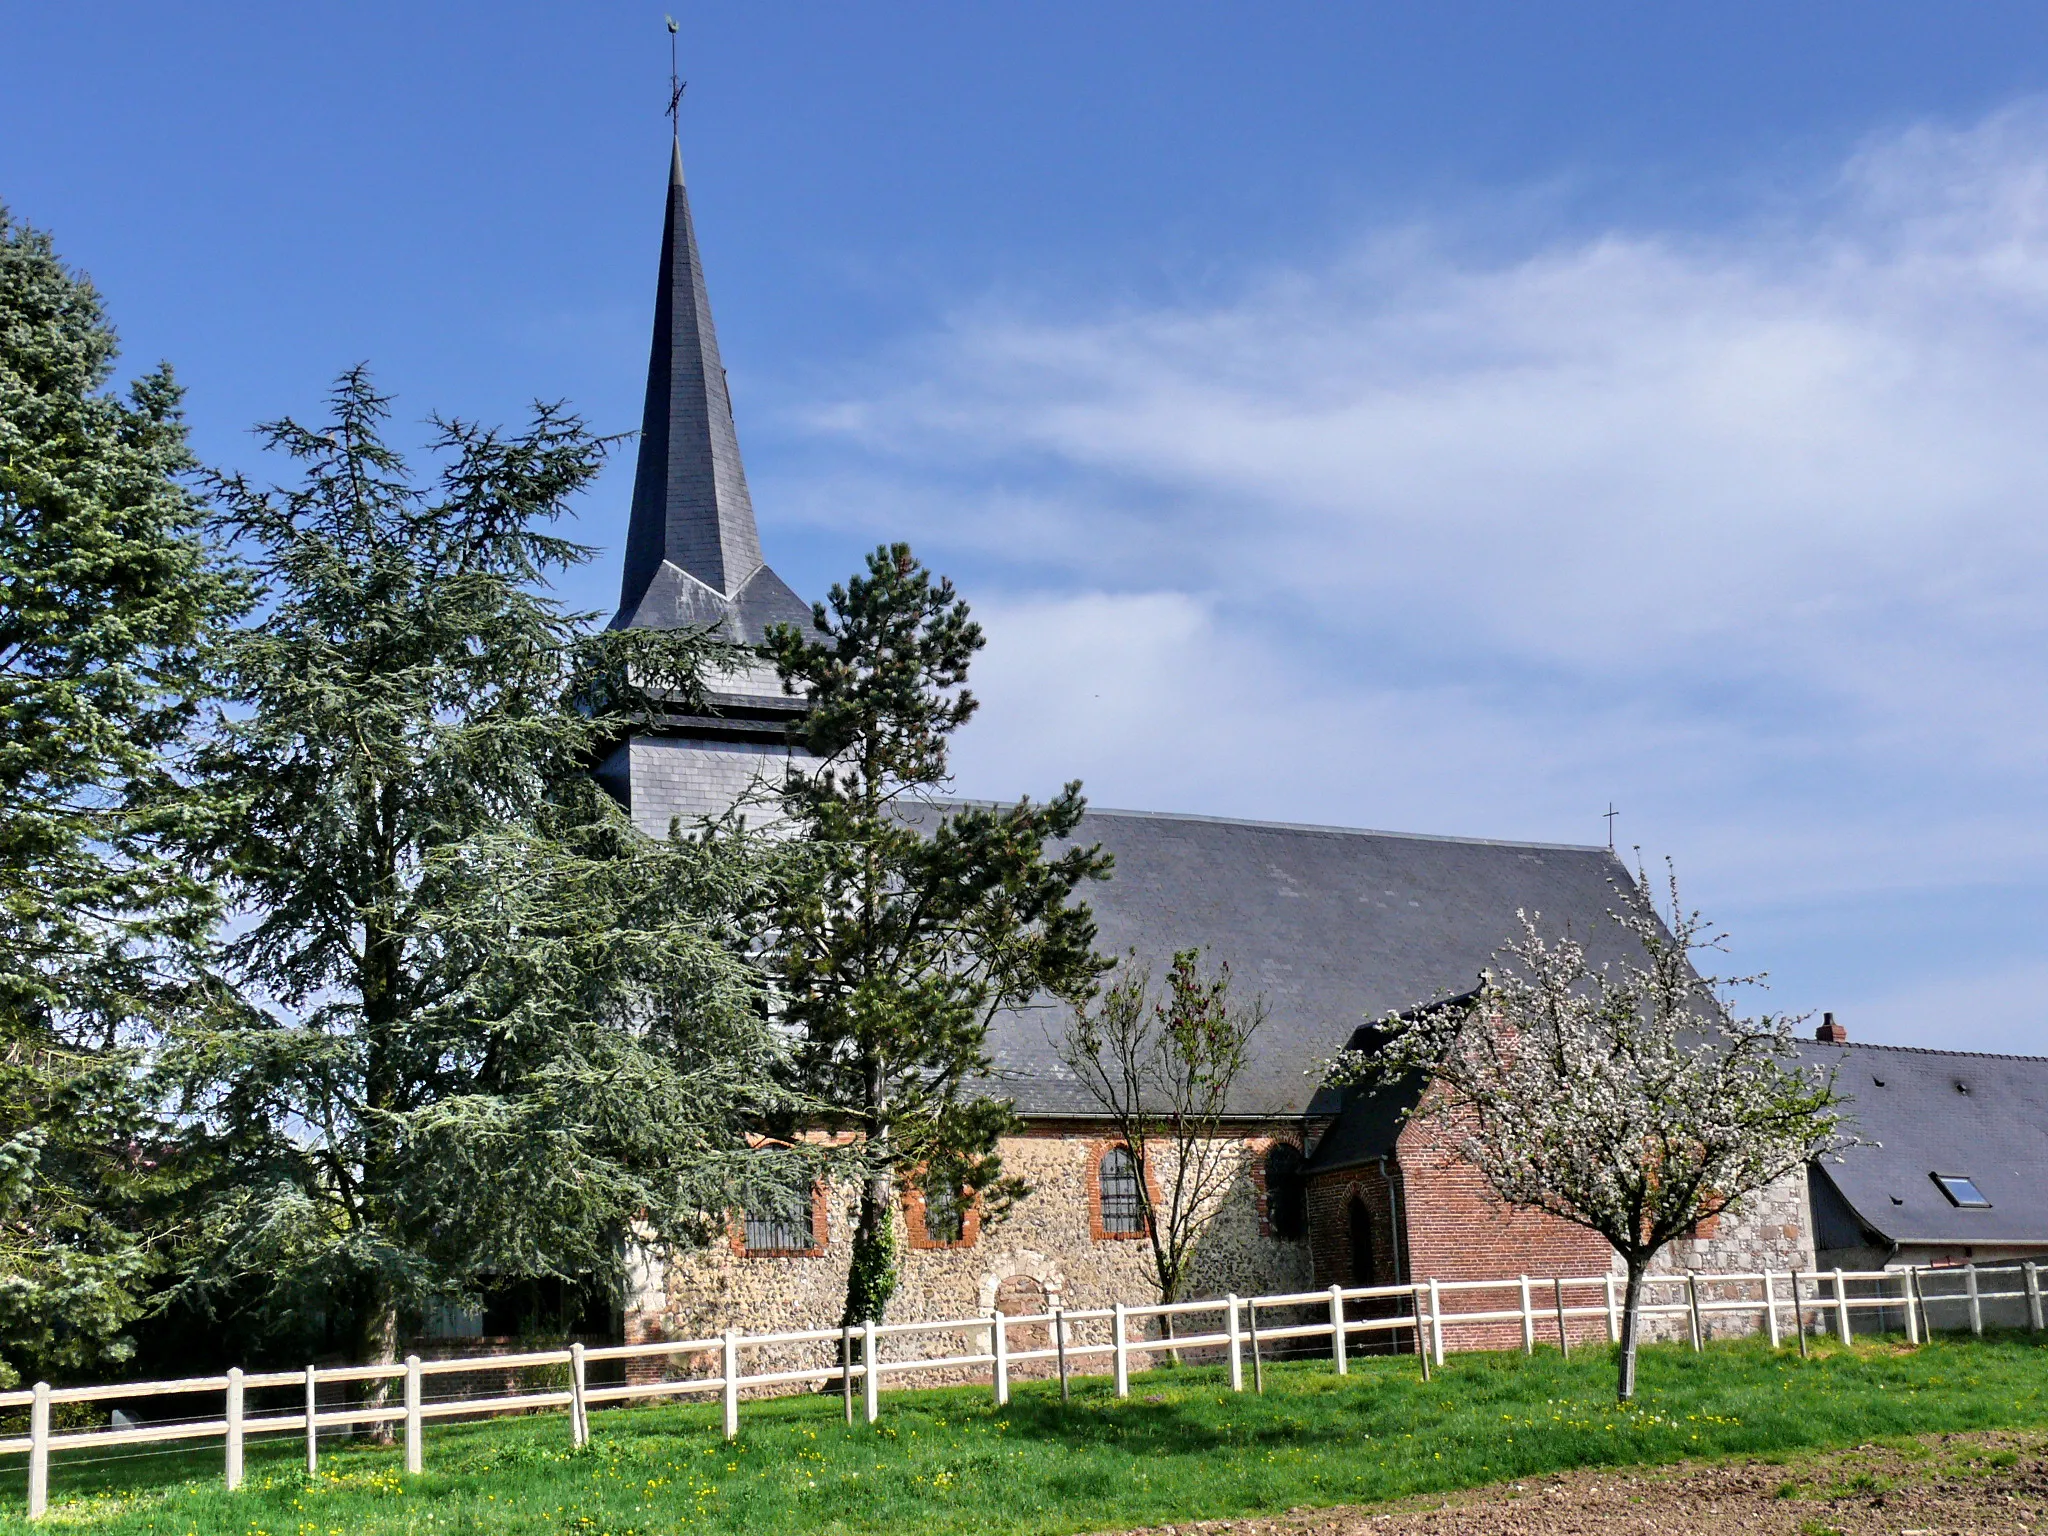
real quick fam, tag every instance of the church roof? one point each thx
(1333, 926)
(1956, 1113)
(693, 552)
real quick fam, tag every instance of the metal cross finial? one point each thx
(675, 87)
(1611, 814)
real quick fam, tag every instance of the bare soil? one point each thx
(1940, 1485)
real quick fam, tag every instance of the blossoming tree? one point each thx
(1625, 1098)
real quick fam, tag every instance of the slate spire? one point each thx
(693, 552)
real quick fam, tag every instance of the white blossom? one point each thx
(1625, 1098)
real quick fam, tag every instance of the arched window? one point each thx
(1117, 1179)
(945, 1211)
(1286, 1195)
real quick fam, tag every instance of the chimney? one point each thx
(1830, 1033)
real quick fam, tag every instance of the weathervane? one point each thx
(675, 87)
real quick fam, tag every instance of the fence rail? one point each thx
(1423, 1310)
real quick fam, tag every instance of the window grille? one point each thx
(1117, 1177)
(945, 1213)
(777, 1234)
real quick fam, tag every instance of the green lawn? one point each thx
(1181, 1447)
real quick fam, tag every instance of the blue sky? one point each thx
(1447, 418)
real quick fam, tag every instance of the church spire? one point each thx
(693, 551)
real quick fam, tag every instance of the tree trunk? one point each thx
(379, 1346)
(1632, 1300)
(872, 1279)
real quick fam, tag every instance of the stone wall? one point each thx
(1433, 1219)
(1044, 1254)
(1772, 1229)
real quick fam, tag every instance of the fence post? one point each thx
(1119, 1354)
(414, 1430)
(1841, 1308)
(579, 1412)
(1436, 1322)
(1337, 1352)
(1236, 1345)
(1528, 1321)
(1771, 1309)
(1906, 1294)
(999, 1345)
(234, 1428)
(2033, 1297)
(871, 1372)
(1613, 1312)
(1799, 1308)
(1564, 1343)
(1976, 1299)
(312, 1424)
(1421, 1343)
(1258, 1365)
(846, 1370)
(1059, 1346)
(1920, 1297)
(39, 1452)
(730, 1369)
(1692, 1307)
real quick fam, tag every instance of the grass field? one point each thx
(1180, 1447)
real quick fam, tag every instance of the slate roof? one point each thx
(693, 551)
(1334, 926)
(1984, 1116)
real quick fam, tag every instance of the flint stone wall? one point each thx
(1044, 1254)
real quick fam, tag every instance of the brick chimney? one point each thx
(1830, 1033)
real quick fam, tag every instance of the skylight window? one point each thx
(1962, 1190)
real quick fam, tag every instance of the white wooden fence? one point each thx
(1427, 1311)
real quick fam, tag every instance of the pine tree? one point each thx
(109, 595)
(915, 924)
(484, 1029)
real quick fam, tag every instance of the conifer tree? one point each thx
(484, 1029)
(109, 595)
(915, 922)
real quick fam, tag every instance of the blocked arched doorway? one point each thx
(1358, 1224)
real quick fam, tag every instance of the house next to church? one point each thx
(1332, 926)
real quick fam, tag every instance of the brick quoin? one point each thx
(1257, 1149)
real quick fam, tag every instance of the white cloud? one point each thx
(1748, 531)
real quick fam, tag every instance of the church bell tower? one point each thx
(693, 559)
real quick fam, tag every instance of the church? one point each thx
(1331, 926)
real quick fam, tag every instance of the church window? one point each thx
(944, 1212)
(1286, 1193)
(1123, 1214)
(794, 1232)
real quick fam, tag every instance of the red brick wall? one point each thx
(1329, 1226)
(1457, 1230)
